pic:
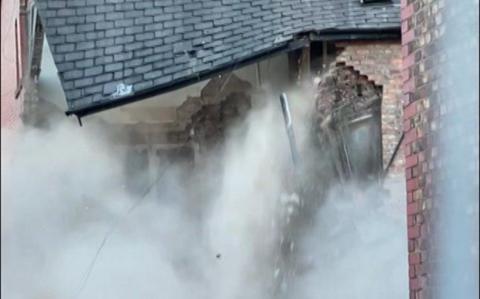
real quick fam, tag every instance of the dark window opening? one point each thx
(350, 122)
(362, 148)
(322, 54)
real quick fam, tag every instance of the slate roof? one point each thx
(99, 44)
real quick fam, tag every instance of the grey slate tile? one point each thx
(133, 79)
(83, 82)
(93, 71)
(153, 75)
(103, 78)
(97, 52)
(163, 80)
(84, 64)
(75, 38)
(74, 74)
(113, 66)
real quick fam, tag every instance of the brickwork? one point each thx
(428, 172)
(344, 96)
(11, 64)
(381, 62)
(417, 40)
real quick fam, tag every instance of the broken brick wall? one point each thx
(198, 126)
(211, 122)
(427, 106)
(347, 101)
(223, 101)
(380, 62)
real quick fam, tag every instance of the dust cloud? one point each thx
(213, 233)
(455, 153)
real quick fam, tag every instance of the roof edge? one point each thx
(290, 45)
(182, 82)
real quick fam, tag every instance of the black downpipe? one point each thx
(289, 127)
(397, 147)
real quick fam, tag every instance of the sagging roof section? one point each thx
(109, 50)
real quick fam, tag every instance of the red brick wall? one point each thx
(418, 60)
(426, 106)
(381, 62)
(11, 107)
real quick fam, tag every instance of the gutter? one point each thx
(302, 40)
(332, 34)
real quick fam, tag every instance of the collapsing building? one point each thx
(168, 77)
(170, 74)
(186, 69)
